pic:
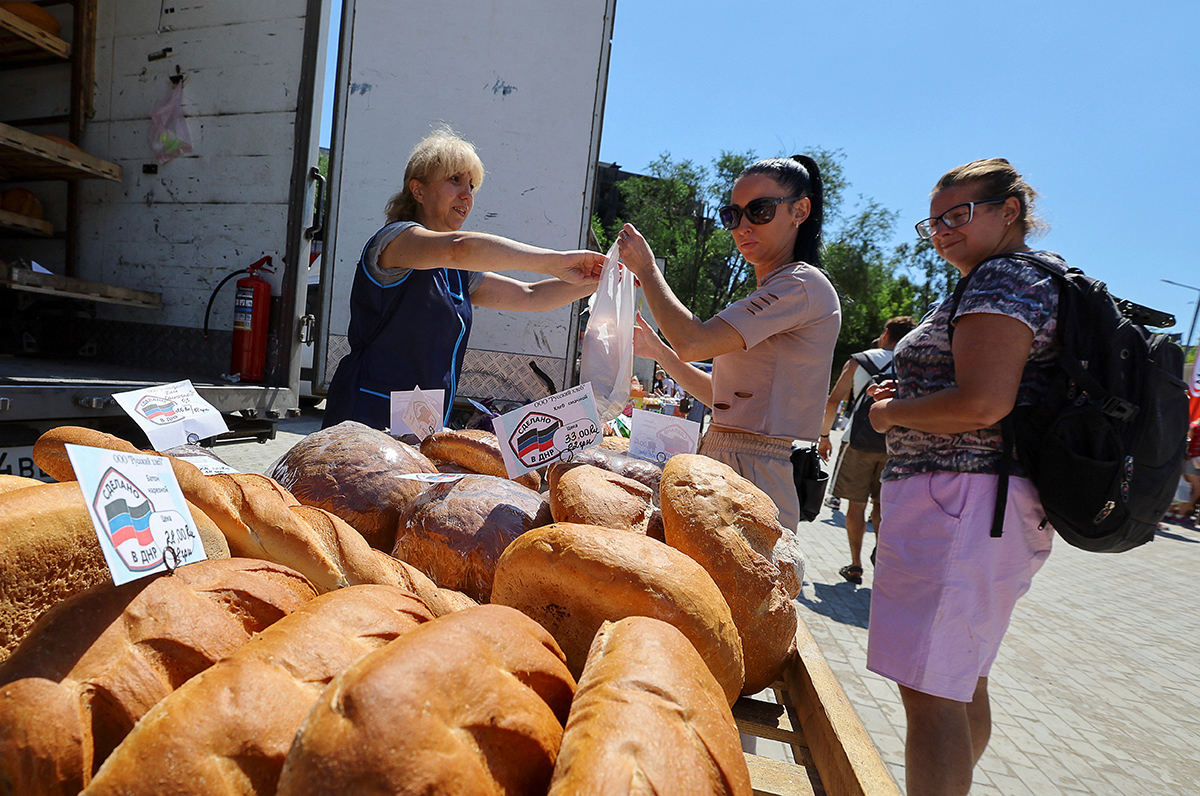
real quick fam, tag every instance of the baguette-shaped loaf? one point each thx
(470, 703)
(730, 527)
(94, 664)
(355, 472)
(11, 483)
(49, 551)
(476, 450)
(573, 578)
(649, 717)
(229, 728)
(258, 516)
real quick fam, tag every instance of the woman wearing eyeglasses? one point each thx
(944, 587)
(772, 351)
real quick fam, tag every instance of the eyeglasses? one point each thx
(758, 211)
(957, 216)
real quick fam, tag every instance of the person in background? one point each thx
(944, 588)
(859, 468)
(419, 278)
(773, 350)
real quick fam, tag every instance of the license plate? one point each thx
(19, 461)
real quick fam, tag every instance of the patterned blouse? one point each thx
(925, 364)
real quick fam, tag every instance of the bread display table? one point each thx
(834, 755)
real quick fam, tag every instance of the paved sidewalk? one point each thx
(1096, 689)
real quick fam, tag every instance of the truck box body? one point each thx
(524, 80)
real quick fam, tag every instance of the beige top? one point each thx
(777, 385)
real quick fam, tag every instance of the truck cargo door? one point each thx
(523, 80)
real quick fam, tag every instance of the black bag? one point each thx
(1105, 448)
(810, 480)
(863, 436)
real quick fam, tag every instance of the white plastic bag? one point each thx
(607, 356)
(169, 136)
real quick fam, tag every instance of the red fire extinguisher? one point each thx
(251, 313)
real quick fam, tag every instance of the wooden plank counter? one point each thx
(834, 756)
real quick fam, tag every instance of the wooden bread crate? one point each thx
(834, 756)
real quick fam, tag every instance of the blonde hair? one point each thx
(437, 156)
(997, 178)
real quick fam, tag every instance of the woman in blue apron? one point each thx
(419, 277)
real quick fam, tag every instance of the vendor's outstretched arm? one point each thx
(692, 338)
(647, 344)
(501, 292)
(418, 248)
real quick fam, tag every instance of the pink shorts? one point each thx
(944, 588)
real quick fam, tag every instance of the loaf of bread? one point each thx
(455, 531)
(455, 600)
(644, 472)
(470, 703)
(229, 728)
(573, 578)
(588, 495)
(730, 527)
(354, 471)
(476, 450)
(95, 663)
(49, 551)
(11, 483)
(258, 516)
(615, 442)
(649, 717)
(21, 201)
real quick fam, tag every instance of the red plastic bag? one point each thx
(169, 135)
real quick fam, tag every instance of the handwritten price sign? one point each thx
(540, 433)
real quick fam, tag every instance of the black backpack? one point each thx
(1105, 448)
(863, 436)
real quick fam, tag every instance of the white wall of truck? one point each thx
(523, 79)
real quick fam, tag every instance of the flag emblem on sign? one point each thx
(157, 410)
(533, 440)
(125, 512)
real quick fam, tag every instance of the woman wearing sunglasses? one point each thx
(772, 351)
(944, 588)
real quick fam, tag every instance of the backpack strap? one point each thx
(1007, 433)
(873, 370)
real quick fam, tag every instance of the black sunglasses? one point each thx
(758, 211)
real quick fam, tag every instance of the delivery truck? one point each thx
(128, 268)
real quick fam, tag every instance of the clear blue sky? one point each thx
(1097, 103)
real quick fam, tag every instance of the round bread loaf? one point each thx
(455, 531)
(588, 495)
(649, 717)
(353, 471)
(33, 14)
(644, 472)
(49, 551)
(573, 578)
(11, 483)
(22, 202)
(730, 527)
(475, 450)
(470, 703)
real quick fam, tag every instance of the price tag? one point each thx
(417, 412)
(658, 437)
(138, 511)
(206, 464)
(543, 431)
(172, 414)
